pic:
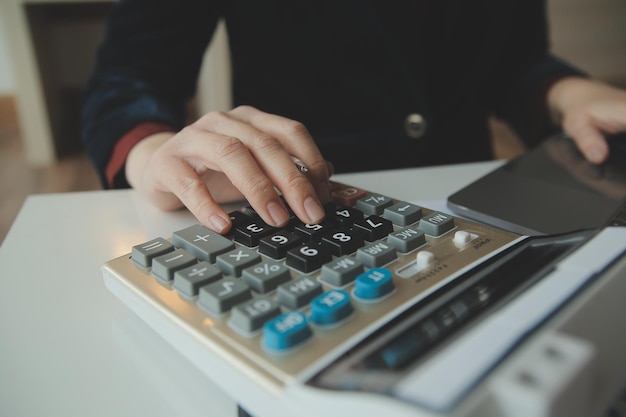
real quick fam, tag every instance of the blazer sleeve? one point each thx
(525, 72)
(145, 72)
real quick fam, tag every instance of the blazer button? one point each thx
(415, 125)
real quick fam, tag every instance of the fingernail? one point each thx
(278, 213)
(219, 223)
(314, 211)
(595, 155)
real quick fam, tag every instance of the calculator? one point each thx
(384, 307)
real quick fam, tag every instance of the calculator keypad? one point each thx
(279, 288)
(276, 264)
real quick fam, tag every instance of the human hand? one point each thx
(609, 179)
(228, 156)
(587, 110)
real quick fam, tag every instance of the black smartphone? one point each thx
(550, 189)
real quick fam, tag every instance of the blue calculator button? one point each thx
(286, 331)
(331, 307)
(373, 284)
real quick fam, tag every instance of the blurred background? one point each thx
(46, 52)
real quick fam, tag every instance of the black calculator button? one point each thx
(344, 217)
(250, 234)
(277, 245)
(237, 219)
(374, 227)
(312, 232)
(343, 242)
(308, 258)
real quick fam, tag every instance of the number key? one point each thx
(343, 243)
(312, 232)
(277, 245)
(308, 258)
(374, 227)
(251, 233)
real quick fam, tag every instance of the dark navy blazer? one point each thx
(350, 70)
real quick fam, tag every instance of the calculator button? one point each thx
(373, 204)
(343, 242)
(164, 266)
(374, 284)
(221, 296)
(403, 213)
(189, 280)
(331, 307)
(286, 331)
(308, 258)
(407, 239)
(252, 314)
(202, 242)
(345, 195)
(299, 292)
(277, 245)
(144, 253)
(341, 271)
(266, 276)
(250, 234)
(376, 253)
(374, 227)
(343, 217)
(237, 219)
(233, 262)
(312, 232)
(436, 224)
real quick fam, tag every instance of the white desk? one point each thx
(68, 347)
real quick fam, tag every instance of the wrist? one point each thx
(565, 94)
(115, 167)
(140, 155)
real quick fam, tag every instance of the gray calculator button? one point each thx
(406, 239)
(164, 266)
(436, 223)
(202, 242)
(189, 280)
(403, 213)
(144, 253)
(373, 204)
(376, 254)
(298, 292)
(252, 314)
(266, 276)
(221, 296)
(341, 271)
(233, 262)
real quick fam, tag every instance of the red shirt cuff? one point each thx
(125, 144)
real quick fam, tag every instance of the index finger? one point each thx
(296, 140)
